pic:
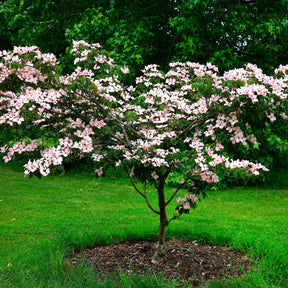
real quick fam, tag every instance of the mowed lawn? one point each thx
(42, 220)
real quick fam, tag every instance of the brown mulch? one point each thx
(188, 260)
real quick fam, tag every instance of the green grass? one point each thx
(42, 220)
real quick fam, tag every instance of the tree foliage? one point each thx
(232, 33)
(228, 34)
(173, 123)
(41, 23)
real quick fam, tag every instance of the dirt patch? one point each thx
(190, 260)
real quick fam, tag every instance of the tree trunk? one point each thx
(160, 248)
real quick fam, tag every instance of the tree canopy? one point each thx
(232, 33)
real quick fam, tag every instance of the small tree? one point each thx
(167, 124)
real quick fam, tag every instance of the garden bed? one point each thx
(184, 260)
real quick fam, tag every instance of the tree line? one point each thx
(227, 33)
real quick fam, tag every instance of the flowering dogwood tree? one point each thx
(173, 123)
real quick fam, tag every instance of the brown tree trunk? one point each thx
(160, 248)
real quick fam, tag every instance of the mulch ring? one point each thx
(187, 260)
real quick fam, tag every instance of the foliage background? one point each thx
(226, 33)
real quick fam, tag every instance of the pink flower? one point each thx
(193, 198)
(179, 199)
(99, 171)
(3, 149)
(124, 70)
(186, 205)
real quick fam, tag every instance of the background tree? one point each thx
(136, 33)
(232, 33)
(5, 35)
(42, 23)
(167, 123)
(227, 33)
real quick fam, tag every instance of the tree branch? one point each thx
(126, 136)
(174, 217)
(144, 195)
(175, 193)
(107, 114)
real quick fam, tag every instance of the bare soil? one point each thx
(185, 260)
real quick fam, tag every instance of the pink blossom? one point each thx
(124, 70)
(193, 198)
(186, 205)
(99, 171)
(178, 199)
(271, 117)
